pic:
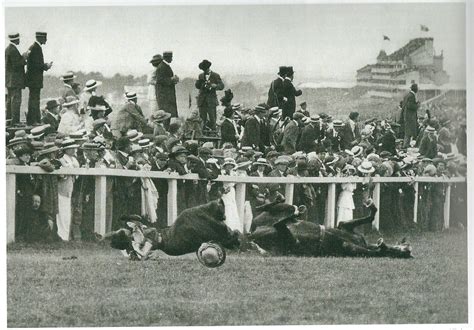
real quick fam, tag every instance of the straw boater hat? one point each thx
(49, 147)
(229, 161)
(80, 135)
(134, 135)
(349, 152)
(37, 145)
(314, 118)
(92, 146)
(357, 151)
(68, 76)
(160, 115)
(14, 36)
(135, 148)
(69, 144)
(211, 255)
(145, 143)
(130, 95)
(338, 123)
(91, 84)
(70, 101)
(36, 132)
(282, 160)
(19, 138)
(261, 161)
(366, 167)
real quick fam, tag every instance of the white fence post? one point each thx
(330, 206)
(447, 206)
(376, 199)
(172, 201)
(109, 205)
(289, 192)
(415, 206)
(240, 199)
(11, 205)
(100, 208)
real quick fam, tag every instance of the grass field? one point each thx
(101, 288)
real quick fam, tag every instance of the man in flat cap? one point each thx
(208, 83)
(165, 86)
(35, 67)
(14, 77)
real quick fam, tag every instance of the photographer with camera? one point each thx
(208, 83)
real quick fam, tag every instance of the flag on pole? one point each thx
(386, 38)
(189, 100)
(424, 28)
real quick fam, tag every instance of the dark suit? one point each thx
(349, 136)
(14, 81)
(165, 90)
(410, 119)
(309, 135)
(275, 93)
(48, 118)
(429, 146)
(228, 132)
(290, 137)
(207, 98)
(35, 67)
(388, 142)
(251, 133)
(289, 91)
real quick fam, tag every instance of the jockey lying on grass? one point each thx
(290, 236)
(193, 227)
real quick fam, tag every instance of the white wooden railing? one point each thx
(103, 219)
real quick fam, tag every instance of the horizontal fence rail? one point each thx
(103, 215)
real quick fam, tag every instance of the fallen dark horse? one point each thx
(290, 236)
(193, 227)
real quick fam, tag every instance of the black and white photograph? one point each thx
(254, 163)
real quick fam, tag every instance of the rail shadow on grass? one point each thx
(101, 288)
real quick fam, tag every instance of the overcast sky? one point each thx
(321, 40)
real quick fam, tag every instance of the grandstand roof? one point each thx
(409, 48)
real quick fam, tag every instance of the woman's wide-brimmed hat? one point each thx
(357, 151)
(261, 161)
(70, 100)
(36, 132)
(49, 147)
(229, 161)
(91, 84)
(134, 135)
(160, 115)
(366, 167)
(211, 255)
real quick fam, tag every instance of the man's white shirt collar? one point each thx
(11, 43)
(166, 62)
(38, 43)
(67, 85)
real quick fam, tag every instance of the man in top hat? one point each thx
(410, 114)
(275, 92)
(291, 133)
(68, 81)
(208, 83)
(35, 66)
(310, 135)
(165, 86)
(51, 116)
(289, 93)
(130, 116)
(14, 77)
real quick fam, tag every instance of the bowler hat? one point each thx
(51, 104)
(69, 144)
(204, 65)
(156, 58)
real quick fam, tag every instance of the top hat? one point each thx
(156, 58)
(289, 70)
(68, 76)
(204, 65)
(91, 84)
(41, 34)
(14, 36)
(282, 70)
(167, 53)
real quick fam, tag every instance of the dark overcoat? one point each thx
(14, 68)
(410, 116)
(35, 67)
(165, 89)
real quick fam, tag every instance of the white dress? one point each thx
(232, 219)
(153, 105)
(70, 122)
(149, 196)
(345, 202)
(65, 187)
